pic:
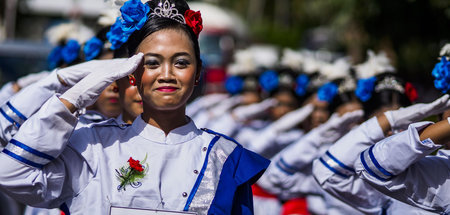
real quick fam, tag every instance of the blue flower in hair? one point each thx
(234, 84)
(327, 92)
(116, 35)
(92, 48)
(365, 88)
(269, 80)
(441, 73)
(55, 57)
(134, 15)
(70, 51)
(302, 82)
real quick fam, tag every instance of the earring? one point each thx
(132, 80)
(196, 82)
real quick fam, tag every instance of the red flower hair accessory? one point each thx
(194, 20)
(411, 92)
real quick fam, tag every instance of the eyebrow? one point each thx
(174, 56)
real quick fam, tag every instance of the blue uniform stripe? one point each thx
(277, 164)
(31, 150)
(332, 169)
(288, 166)
(16, 111)
(363, 161)
(339, 162)
(375, 162)
(21, 159)
(200, 176)
(9, 118)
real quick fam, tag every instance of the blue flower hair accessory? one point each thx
(365, 88)
(302, 82)
(92, 48)
(70, 51)
(116, 36)
(441, 73)
(234, 84)
(327, 92)
(54, 58)
(269, 80)
(134, 15)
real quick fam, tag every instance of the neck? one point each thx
(128, 118)
(166, 120)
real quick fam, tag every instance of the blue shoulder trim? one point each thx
(339, 162)
(222, 135)
(241, 169)
(8, 118)
(366, 167)
(16, 111)
(200, 176)
(385, 172)
(21, 159)
(31, 150)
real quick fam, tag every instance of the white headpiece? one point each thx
(292, 59)
(264, 55)
(375, 64)
(67, 31)
(445, 51)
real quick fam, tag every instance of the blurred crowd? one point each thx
(343, 138)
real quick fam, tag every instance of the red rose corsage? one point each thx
(194, 20)
(411, 92)
(132, 174)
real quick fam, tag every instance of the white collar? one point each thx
(178, 135)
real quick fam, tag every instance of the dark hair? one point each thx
(341, 97)
(155, 24)
(386, 97)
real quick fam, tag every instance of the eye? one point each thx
(152, 64)
(182, 63)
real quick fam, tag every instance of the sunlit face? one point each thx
(286, 103)
(169, 72)
(108, 102)
(129, 98)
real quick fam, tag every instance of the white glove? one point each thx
(334, 128)
(246, 112)
(401, 118)
(31, 78)
(292, 118)
(73, 74)
(203, 102)
(86, 92)
(224, 106)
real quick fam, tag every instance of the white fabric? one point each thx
(6, 92)
(31, 78)
(247, 112)
(292, 118)
(401, 118)
(204, 102)
(418, 179)
(83, 174)
(86, 92)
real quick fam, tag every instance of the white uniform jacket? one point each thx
(399, 167)
(50, 163)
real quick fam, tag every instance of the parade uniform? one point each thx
(399, 166)
(336, 174)
(187, 170)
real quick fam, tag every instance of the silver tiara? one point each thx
(389, 83)
(167, 10)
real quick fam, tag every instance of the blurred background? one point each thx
(411, 32)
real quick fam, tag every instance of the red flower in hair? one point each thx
(410, 92)
(194, 20)
(134, 164)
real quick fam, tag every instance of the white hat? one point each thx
(375, 65)
(67, 31)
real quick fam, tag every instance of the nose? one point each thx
(166, 75)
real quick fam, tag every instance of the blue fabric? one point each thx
(363, 161)
(332, 169)
(339, 162)
(234, 195)
(16, 111)
(21, 159)
(31, 150)
(9, 118)
(375, 162)
(277, 164)
(200, 176)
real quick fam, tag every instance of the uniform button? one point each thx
(204, 149)
(184, 194)
(196, 171)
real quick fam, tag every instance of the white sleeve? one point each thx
(24, 104)
(335, 173)
(34, 164)
(6, 92)
(399, 167)
(224, 124)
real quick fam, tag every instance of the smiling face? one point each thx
(170, 69)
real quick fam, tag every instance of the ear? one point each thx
(198, 74)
